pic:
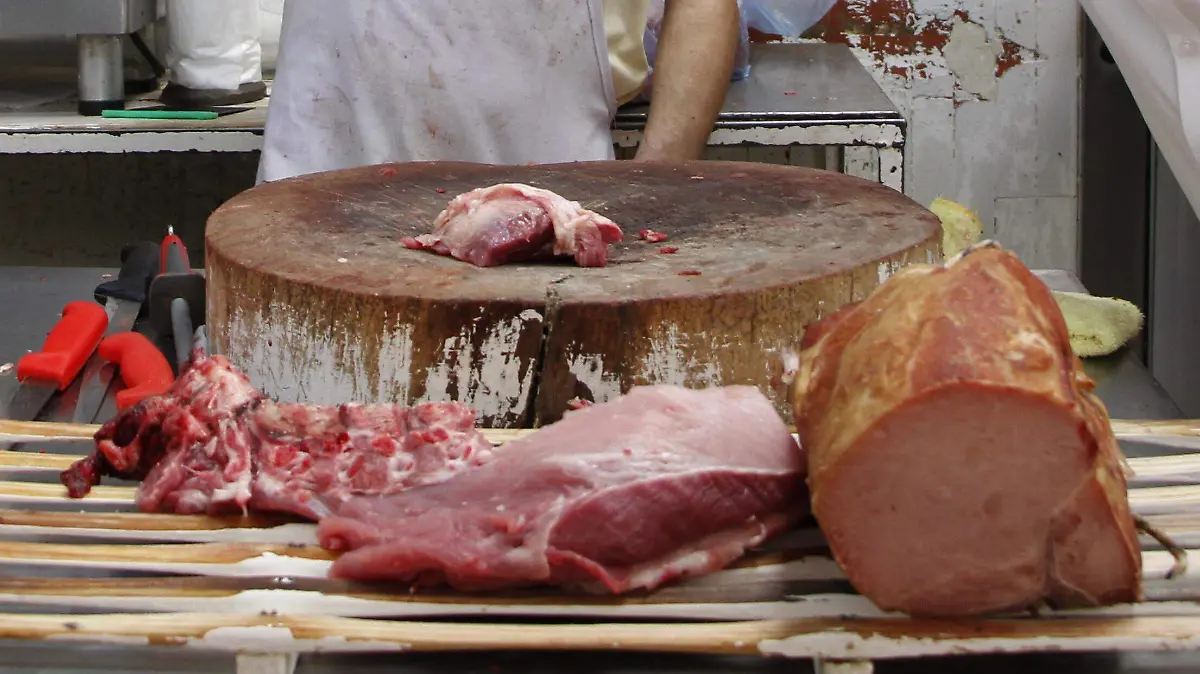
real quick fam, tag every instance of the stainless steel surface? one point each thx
(1126, 387)
(1114, 204)
(100, 26)
(31, 297)
(1174, 313)
(28, 297)
(28, 400)
(796, 85)
(57, 18)
(101, 71)
(25, 404)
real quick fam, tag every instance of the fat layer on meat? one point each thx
(958, 460)
(512, 222)
(662, 483)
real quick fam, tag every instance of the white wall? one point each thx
(1004, 145)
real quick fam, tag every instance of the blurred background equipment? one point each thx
(214, 53)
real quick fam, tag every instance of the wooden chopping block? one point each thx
(311, 293)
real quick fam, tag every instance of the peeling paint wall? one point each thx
(991, 92)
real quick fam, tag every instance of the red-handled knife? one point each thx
(53, 368)
(122, 298)
(143, 368)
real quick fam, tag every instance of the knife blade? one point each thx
(96, 384)
(43, 373)
(123, 299)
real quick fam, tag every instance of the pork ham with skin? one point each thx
(512, 222)
(662, 483)
(959, 463)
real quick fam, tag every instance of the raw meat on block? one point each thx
(958, 461)
(512, 222)
(213, 444)
(663, 483)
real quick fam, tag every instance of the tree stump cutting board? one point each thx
(311, 293)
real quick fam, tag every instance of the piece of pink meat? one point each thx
(214, 444)
(311, 458)
(663, 483)
(512, 222)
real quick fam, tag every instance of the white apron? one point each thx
(363, 82)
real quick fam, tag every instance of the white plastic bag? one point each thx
(786, 18)
(214, 44)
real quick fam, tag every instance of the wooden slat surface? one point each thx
(827, 638)
(262, 577)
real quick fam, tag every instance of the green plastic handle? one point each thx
(159, 114)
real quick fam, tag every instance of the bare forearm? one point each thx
(691, 76)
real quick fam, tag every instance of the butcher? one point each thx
(363, 82)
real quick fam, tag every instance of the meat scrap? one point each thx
(651, 236)
(578, 403)
(662, 483)
(213, 444)
(959, 462)
(512, 222)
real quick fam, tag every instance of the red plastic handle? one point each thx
(173, 242)
(144, 368)
(68, 346)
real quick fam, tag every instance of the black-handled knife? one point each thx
(139, 266)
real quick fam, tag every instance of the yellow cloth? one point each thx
(624, 25)
(1098, 325)
(960, 227)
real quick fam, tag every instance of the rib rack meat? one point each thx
(512, 222)
(214, 444)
